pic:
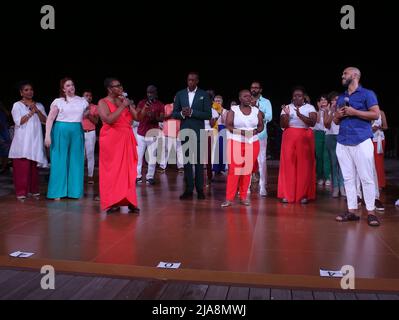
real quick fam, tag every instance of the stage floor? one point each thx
(268, 238)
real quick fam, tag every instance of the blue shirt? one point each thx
(266, 107)
(353, 130)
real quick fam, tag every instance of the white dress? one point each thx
(28, 140)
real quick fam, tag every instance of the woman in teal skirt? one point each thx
(66, 142)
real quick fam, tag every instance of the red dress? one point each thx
(118, 161)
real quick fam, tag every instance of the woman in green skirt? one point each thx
(64, 137)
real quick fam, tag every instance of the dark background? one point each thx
(281, 43)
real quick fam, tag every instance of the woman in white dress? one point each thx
(27, 148)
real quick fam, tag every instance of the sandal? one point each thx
(347, 217)
(373, 221)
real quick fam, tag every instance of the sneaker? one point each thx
(21, 198)
(328, 182)
(320, 182)
(263, 193)
(342, 191)
(284, 200)
(335, 193)
(245, 203)
(378, 205)
(150, 182)
(180, 170)
(304, 201)
(161, 170)
(139, 180)
(226, 204)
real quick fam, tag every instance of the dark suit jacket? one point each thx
(201, 110)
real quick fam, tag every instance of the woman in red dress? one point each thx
(118, 152)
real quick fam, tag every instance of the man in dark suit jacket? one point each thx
(192, 106)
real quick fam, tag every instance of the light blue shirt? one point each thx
(266, 107)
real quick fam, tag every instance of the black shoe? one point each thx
(150, 182)
(201, 196)
(139, 180)
(133, 209)
(186, 196)
(112, 210)
(378, 205)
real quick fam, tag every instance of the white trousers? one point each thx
(262, 165)
(171, 144)
(90, 144)
(150, 144)
(358, 161)
(359, 185)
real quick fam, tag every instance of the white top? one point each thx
(71, 110)
(319, 126)
(191, 95)
(294, 121)
(379, 134)
(334, 130)
(215, 115)
(28, 138)
(244, 122)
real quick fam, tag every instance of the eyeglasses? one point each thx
(117, 86)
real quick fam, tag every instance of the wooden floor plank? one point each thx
(88, 291)
(345, 296)
(302, 295)
(366, 296)
(110, 290)
(15, 282)
(40, 294)
(70, 289)
(26, 288)
(388, 296)
(323, 295)
(132, 290)
(7, 274)
(195, 292)
(238, 293)
(259, 293)
(216, 292)
(174, 291)
(280, 294)
(153, 290)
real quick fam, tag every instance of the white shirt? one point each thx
(215, 115)
(379, 134)
(294, 121)
(319, 126)
(244, 122)
(71, 110)
(191, 95)
(28, 138)
(334, 130)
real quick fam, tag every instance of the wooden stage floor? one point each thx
(269, 243)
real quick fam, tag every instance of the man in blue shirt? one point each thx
(355, 151)
(265, 106)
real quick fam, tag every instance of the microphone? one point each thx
(346, 101)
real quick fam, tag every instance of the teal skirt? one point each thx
(67, 161)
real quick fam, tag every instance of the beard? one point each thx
(347, 82)
(254, 93)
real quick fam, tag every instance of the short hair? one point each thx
(195, 73)
(332, 95)
(108, 81)
(322, 96)
(22, 84)
(356, 71)
(242, 91)
(87, 90)
(258, 82)
(152, 88)
(298, 88)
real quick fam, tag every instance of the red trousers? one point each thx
(26, 177)
(379, 165)
(297, 175)
(241, 160)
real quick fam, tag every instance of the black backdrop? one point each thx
(281, 43)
